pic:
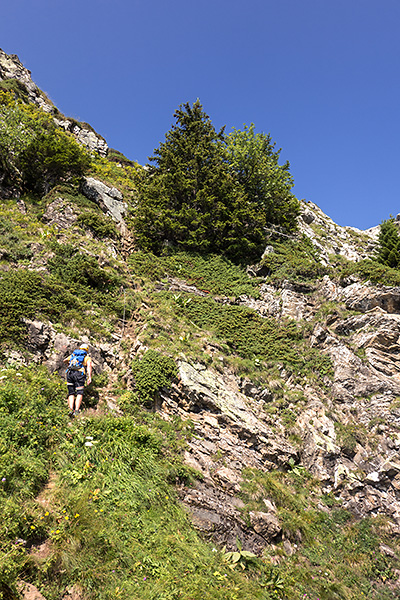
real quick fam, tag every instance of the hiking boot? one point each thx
(76, 412)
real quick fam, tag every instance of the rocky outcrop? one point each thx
(330, 238)
(60, 214)
(284, 302)
(12, 68)
(85, 135)
(350, 432)
(230, 433)
(108, 198)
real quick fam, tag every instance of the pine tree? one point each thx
(388, 252)
(191, 199)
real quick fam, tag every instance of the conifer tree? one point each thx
(388, 252)
(191, 199)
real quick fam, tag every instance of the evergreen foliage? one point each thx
(26, 294)
(98, 224)
(152, 372)
(254, 161)
(191, 199)
(389, 244)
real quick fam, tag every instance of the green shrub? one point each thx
(35, 153)
(74, 267)
(52, 155)
(371, 270)
(15, 88)
(117, 157)
(12, 248)
(249, 335)
(152, 372)
(28, 294)
(98, 224)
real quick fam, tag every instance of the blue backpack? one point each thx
(76, 360)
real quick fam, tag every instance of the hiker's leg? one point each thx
(79, 398)
(71, 402)
(71, 393)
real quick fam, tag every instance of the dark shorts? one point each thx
(75, 382)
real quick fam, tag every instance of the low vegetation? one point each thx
(104, 471)
(94, 503)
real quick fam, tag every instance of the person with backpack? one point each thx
(79, 372)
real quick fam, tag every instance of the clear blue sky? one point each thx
(321, 76)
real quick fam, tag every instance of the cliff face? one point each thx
(338, 428)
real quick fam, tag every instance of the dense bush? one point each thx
(98, 224)
(254, 161)
(12, 248)
(73, 267)
(27, 294)
(152, 372)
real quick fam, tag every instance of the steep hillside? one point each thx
(241, 435)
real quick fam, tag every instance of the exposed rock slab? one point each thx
(60, 214)
(229, 435)
(108, 198)
(47, 346)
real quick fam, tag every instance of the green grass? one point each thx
(113, 526)
(336, 556)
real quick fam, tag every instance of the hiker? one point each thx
(79, 372)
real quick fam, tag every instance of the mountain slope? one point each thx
(240, 439)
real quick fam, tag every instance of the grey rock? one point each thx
(108, 198)
(60, 214)
(217, 515)
(268, 250)
(307, 216)
(265, 524)
(330, 238)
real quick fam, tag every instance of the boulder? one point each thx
(108, 198)
(265, 524)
